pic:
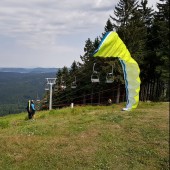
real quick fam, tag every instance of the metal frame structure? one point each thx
(51, 82)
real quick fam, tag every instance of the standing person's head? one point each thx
(32, 101)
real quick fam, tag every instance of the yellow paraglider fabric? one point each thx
(113, 46)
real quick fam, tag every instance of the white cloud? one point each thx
(37, 29)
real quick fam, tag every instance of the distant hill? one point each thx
(18, 85)
(29, 70)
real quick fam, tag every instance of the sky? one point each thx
(50, 33)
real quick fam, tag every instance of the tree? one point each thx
(145, 36)
(148, 53)
(74, 68)
(162, 28)
(162, 48)
(128, 23)
(130, 27)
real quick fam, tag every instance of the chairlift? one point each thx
(63, 84)
(73, 84)
(110, 77)
(56, 88)
(95, 76)
(46, 87)
(45, 100)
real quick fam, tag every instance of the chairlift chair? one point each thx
(56, 88)
(95, 76)
(110, 77)
(46, 87)
(45, 100)
(73, 84)
(63, 85)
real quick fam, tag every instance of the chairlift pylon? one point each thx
(110, 77)
(95, 76)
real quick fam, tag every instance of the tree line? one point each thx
(145, 32)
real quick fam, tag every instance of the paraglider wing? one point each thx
(112, 46)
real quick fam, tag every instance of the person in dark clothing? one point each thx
(31, 109)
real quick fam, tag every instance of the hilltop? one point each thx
(89, 137)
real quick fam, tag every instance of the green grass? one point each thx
(87, 138)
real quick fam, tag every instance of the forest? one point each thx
(145, 32)
(17, 88)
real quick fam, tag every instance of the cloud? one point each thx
(38, 19)
(45, 28)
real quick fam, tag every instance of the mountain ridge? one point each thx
(28, 70)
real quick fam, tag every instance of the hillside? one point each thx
(91, 137)
(17, 88)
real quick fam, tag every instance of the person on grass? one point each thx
(31, 109)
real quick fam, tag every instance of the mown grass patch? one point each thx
(112, 118)
(92, 137)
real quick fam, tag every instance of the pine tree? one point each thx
(162, 47)
(129, 25)
(147, 14)
(74, 68)
(163, 33)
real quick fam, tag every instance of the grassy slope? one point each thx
(100, 137)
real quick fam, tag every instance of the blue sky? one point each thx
(50, 33)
